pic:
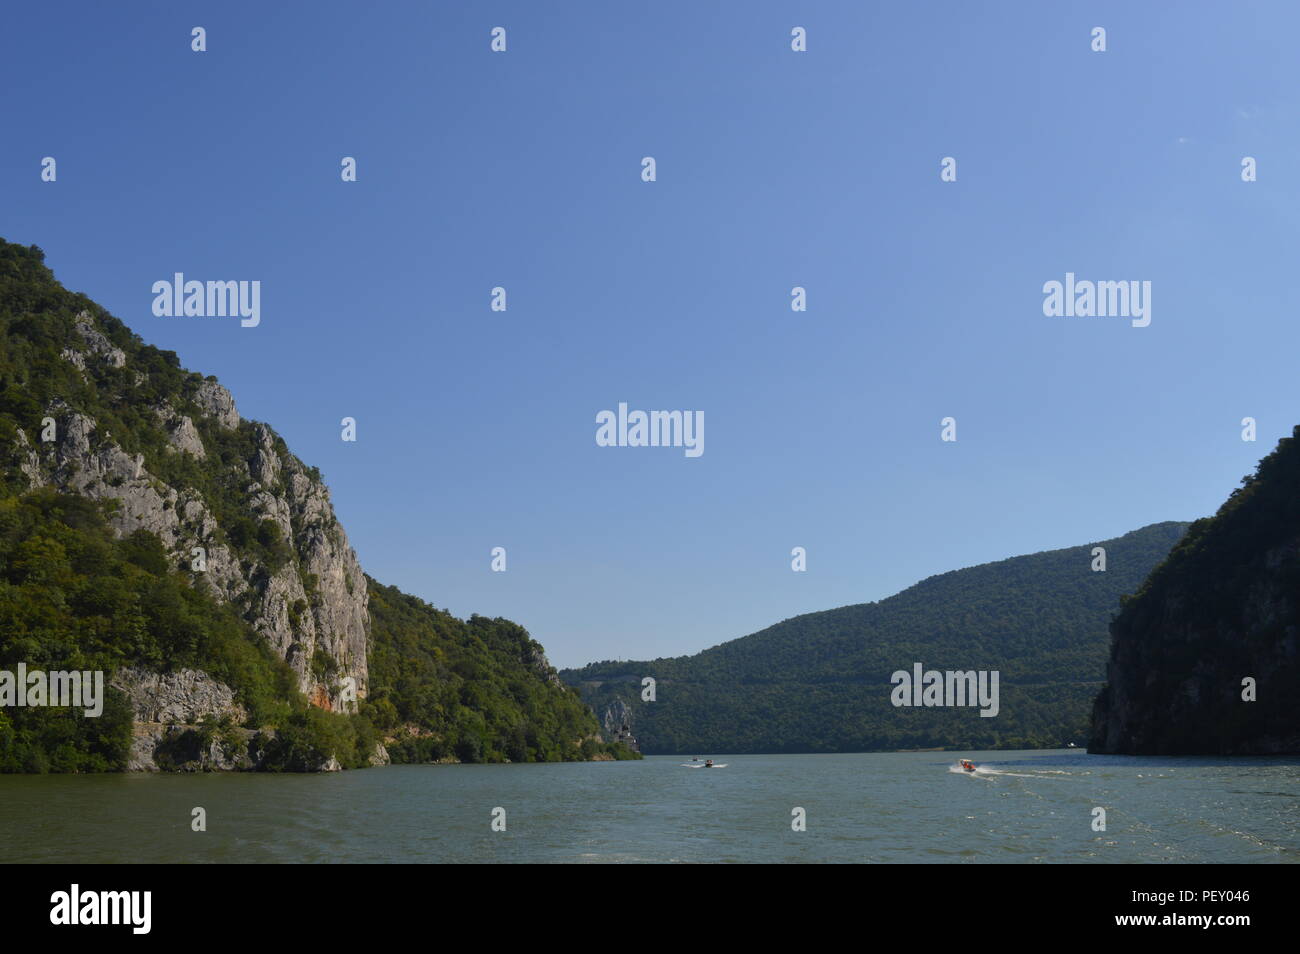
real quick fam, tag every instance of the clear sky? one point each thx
(820, 169)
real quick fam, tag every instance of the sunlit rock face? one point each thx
(311, 608)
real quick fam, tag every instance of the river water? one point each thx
(901, 807)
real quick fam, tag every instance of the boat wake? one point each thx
(982, 771)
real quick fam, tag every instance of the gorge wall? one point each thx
(307, 598)
(149, 532)
(1205, 658)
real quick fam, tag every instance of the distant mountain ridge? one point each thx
(1205, 658)
(820, 682)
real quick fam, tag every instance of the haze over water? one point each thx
(902, 807)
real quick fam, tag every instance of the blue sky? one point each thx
(775, 169)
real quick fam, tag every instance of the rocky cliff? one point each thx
(617, 716)
(1205, 658)
(167, 711)
(306, 597)
(149, 532)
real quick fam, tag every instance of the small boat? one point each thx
(967, 765)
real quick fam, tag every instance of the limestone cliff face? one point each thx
(536, 658)
(167, 709)
(306, 597)
(617, 715)
(1206, 658)
(185, 696)
(88, 408)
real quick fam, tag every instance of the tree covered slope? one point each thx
(273, 650)
(1205, 657)
(821, 682)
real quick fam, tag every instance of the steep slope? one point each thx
(473, 690)
(1223, 608)
(189, 683)
(148, 531)
(821, 682)
(86, 407)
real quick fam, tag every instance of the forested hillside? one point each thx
(150, 532)
(821, 682)
(1206, 655)
(471, 689)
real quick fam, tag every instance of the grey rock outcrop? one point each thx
(536, 658)
(184, 437)
(97, 343)
(159, 747)
(186, 696)
(617, 715)
(29, 461)
(170, 711)
(312, 605)
(617, 723)
(217, 403)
